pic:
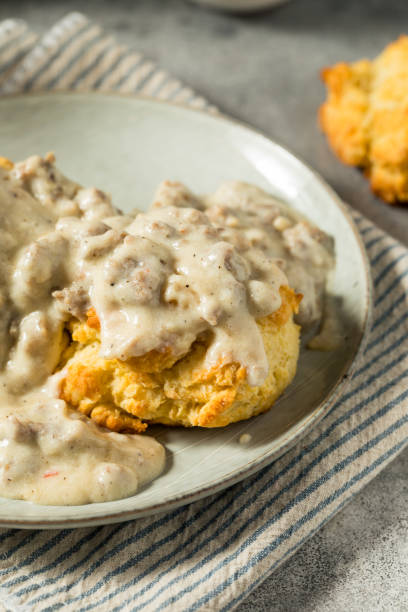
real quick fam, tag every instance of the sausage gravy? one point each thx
(157, 280)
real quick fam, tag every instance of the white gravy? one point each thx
(157, 281)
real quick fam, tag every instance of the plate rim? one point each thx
(311, 420)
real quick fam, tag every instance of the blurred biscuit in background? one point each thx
(365, 118)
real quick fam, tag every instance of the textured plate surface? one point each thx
(127, 145)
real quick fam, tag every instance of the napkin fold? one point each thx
(211, 554)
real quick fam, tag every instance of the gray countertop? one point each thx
(264, 69)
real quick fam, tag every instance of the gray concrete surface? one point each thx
(357, 563)
(264, 69)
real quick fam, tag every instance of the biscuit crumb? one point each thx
(245, 438)
(281, 223)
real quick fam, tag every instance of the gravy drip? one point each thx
(189, 267)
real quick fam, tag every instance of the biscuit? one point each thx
(365, 118)
(127, 395)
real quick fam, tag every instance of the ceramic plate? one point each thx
(126, 146)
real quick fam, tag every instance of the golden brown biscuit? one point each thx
(365, 118)
(124, 395)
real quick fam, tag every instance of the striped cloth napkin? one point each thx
(211, 554)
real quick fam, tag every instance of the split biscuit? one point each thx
(128, 395)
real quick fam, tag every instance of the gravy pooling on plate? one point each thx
(157, 281)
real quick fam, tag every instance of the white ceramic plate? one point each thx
(126, 145)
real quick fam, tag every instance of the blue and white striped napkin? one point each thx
(211, 554)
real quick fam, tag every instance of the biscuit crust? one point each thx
(127, 395)
(365, 118)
